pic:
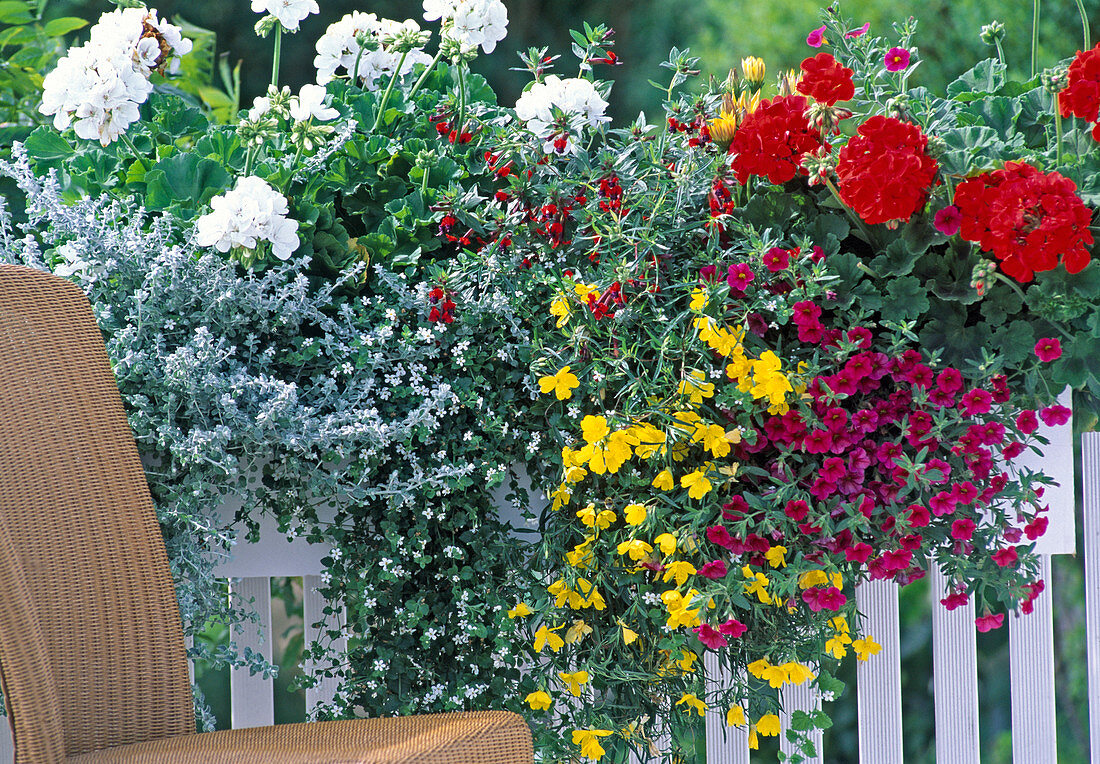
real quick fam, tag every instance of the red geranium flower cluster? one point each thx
(1081, 97)
(885, 171)
(825, 80)
(1026, 218)
(773, 139)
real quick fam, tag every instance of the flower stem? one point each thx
(461, 102)
(137, 154)
(1000, 52)
(278, 55)
(424, 75)
(1057, 132)
(1035, 37)
(250, 157)
(1084, 24)
(355, 71)
(851, 213)
(389, 89)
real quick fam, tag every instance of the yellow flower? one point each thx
(754, 740)
(560, 308)
(545, 637)
(574, 681)
(650, 441)
(796, 672)
(757, 668)
(629, 635)
(768, 725)
(561, 383)
(664, 481)
(776, 556)
(699, 297)
(866, 647)
(519, 611)
(679, 570)
(589, 742)
(812, 578)
(578, 631)
(754, 70)
(667, 543)
(539, 701)
(697, 484)
(735, 717)
(696, 387)
(692, 702)
(758, 586)
(687, 661)
(594, 428)
(839, 624)
(561, 496)
(776, 676)
(583, 290)
(722, 129)
(836, 646)
(636, 548)
(634, 514)
(582, 554)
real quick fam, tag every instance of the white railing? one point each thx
(1031, 643)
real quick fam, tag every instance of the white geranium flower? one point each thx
(98, 87)
(290, 13)
(252, 212)
(338, 49)
(479, 22)
(557, 111)
(439, 9)
(311, 103)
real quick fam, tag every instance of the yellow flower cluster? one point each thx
(762, 377)
(585, 595)
(791, 672)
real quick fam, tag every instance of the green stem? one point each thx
(461, 102)
(355, 71)
(294, 164)
(278, 55)
(424, 75)
(851, 214)
(1000, 52)
(1084, 24)
(1035, 37)
(389, 89)
(1057, 132)
(137, 154)
(250, 157)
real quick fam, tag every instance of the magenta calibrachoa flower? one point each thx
(897, 59)
(1048, 349)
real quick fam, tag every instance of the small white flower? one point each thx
(290, 13)
(311, 103)
(439, 9)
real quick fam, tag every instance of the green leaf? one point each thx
(15, 12)
(985, 78)
(802, 722)
(62, 26)
(998, 113)
(176, 117)
(46, 146)
(186, 180)
(968, 147)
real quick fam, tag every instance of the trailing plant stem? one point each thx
(389, 89)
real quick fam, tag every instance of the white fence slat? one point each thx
(252, 698)
(1090, 450)
(313, 611)
(1031, 655)
(799, 698)
(955, 676)
(725, 745)
(1057, 464)
(879, 679)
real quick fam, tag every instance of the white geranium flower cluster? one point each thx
(470, 23)
(250, 213)
(289, 13)
(339, 49)
(557, 111)
(98, 87)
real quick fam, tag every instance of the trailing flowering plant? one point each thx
(789, 349)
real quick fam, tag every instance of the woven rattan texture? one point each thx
(91, 647)
(483, 737)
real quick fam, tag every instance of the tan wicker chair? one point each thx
(91, 648)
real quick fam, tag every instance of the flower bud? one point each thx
(993, 32)
(1055, 79)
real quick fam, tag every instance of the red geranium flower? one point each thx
(772, 140)
(825, 80)
(1026, 218)
(1081, 97)
(885, 171)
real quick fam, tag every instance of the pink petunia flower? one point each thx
(897, 59)
(858, 31)
(989, 622)
(816, 38)
(1048, 349)
(948, 220)
(713, 570)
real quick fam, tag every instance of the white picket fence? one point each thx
(1031, 640)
